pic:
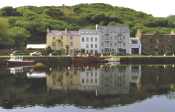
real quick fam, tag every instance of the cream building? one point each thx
(105, 80)
(67, 40)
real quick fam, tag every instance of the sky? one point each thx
(158, 8)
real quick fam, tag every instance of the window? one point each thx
(96, 74)
(135, 69)
(87, 80)
(87, 51)
(95, 39)
(82, 80)
(71, 43)
(91, 39)
(61, 44)
(87, 46)
(102, 44)
(96, 51)
(87, 73)
(134, 41)
(91, 80)
(91, 45)
(106, 34)
(91, 73)
(95, 80)
(115, 44)
(121, 51)
(87, 39)
(82, 39)
(53, 44)
(95, 45)
(111, 44)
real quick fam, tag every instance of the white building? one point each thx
(135, 46)
(36, 46)
(89, 41)
(110, 80)
(106, 40)
(89, 79)
(114, 39)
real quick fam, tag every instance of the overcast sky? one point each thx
(159, 8)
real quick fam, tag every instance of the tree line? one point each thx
(28, 24)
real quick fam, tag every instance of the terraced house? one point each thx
(90, 41)
(108, 40)
(68, 41)
(114, 39)
(157, 43)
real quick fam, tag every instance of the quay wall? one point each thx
(121, 59)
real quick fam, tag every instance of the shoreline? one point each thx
(104, 59)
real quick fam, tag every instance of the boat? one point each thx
(18, 61)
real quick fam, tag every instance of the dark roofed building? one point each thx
(157, 43)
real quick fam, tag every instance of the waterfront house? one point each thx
(157, 43)
(114, 39)
(106, 40)
(135, 45)
(109, 40)
(90, 41)
(69, 41)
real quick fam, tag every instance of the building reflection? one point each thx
(63, 79)
(15, 70)
(103, 80)
(36, 74)
(98, 86)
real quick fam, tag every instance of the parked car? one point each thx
(36, 53)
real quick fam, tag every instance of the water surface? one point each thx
(88, 88)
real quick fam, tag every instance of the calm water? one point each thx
(88, 88)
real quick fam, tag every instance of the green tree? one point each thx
(19, 35)
(54, 12)
(4, 40)
(9, 11)
(48, 50)
(3, 25)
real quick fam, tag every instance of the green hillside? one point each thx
(29, 23)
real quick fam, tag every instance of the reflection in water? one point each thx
(98, 85)
(63, 79)
(15, 70)
(36, 74)
(105, 80)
